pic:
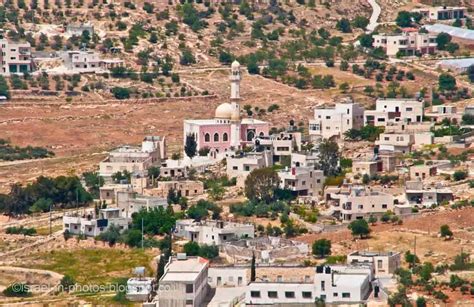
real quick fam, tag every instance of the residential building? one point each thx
(184, 282)
(79, 61)
(306, 159)
(281, 145)
(370, 168)
(133, 159)
(139, 289)
(341, 284)
(333, 122)
(302, 181)
(213, 232)
(393, 110)
(108, 192)
(395, 142)
(227, 277)
(240, 165)
(131, 202)
(174, 169)
(417, 194)
(227, 131)
(442, 13)
(91, 225)
(406, 43)
(349, 202)
(187, 188)
(280, 293)
(428, 169)
(384, 263)
(332, 284)
(445, 111)
(15, 57)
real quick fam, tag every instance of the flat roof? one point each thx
(189, 276)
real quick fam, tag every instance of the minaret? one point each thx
(235, 77)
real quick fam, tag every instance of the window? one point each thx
(379, 264)
(216, 137)
(346, 294)
(225, 137)
(335, 294)
(272, 294)
(289, 294)
(360, 206)
(323, 286)
(307, 294)
(189, 288)
(384, 206)
(255, 293)
(207, 137)
(235, 168)
(189, 302)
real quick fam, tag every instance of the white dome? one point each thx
(235, 65)
(224, 111)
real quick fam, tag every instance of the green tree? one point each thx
(420, 301)
(329, 157)
(443, 39)
(404, 19)
(445, 231)
(446, 82)
(121, 92)
(67, 282)
(17, 290)
(187, 57)
(253, 272)
(191, 145)
(191, 248)
(360, 22)
(322, 248)
(366, 40)
(344, 25)
(359, 228)
(260, 184)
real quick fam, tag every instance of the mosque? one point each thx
(227, 130)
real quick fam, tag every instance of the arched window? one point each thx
(250, 135)
(261, 133)
(225, 137)
(207, 137)
(216, 137)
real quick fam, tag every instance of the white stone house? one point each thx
(136, 160)
(419, 195)
(384, 263)
(393, 110)
(91, 225)
(349, 202)
(333, 284)
(406, 43)
(213, 232)
(132, 202)
(440, 13)
(184, 282)
(334, 122)
(15, 58)
(302, 181)
(240, 166)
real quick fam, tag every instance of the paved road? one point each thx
(376, 10)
